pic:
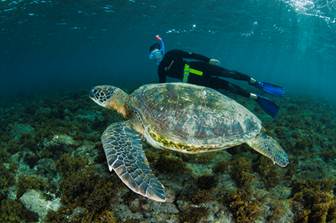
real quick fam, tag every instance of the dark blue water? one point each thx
(60, 45)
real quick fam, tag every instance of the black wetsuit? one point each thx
(173, 65)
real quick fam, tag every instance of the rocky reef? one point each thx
(53, 169)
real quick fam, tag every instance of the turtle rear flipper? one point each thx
(124, 155)
(270, 148)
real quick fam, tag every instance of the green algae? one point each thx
(68, 164)
(314, 200)
(194, 215)
(6, 178)
(270, 174)
(207, 182)
(170, 164)
(241, 171)
(305, 135)
(26, 183)
(244, 208)
(82, 186)
(201, 196)
(14, 212)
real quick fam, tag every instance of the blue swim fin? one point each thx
(270, 88)
(268, 106)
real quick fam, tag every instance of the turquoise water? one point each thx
(47, 45)
(52, 163)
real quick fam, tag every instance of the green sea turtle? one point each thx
(175, 116)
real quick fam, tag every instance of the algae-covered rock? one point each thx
(22, 168)
(46, 167)
(34, 201)
(19, 129)
(87, 150)
(91, 116)
(27, 182)
(60, 139)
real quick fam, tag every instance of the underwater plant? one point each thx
(194, 215)
(12, 211)
(244, 208)
(26, 183)
(314, 201)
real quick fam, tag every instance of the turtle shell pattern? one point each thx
(193, 119)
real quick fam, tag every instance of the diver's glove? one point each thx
(266, 104)
(214, 61)
(268, 87)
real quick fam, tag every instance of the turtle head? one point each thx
(110, 97)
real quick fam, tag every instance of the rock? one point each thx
(87, 150)
(34, 201)
(60, 139)
(22, 167)
(46, 167)
(19, 129)
(122, 211)
(11, 193)
(90, 116)
(199, 169)
(78, 212)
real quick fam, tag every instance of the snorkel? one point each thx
(157, 50)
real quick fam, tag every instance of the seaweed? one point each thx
(30, 182)
(314, 200)
(241, 171)
(6, 177)
(85, 188)
(221, 167)
(201, 196)
(101, 196)
(13, 211)
(59, 216)
(207, 182)
(278, 212)
(244, 208)
(194, 215)
(170, 164)
(105, 216)
(270, 175)
(76, 187)
(203, 158)
(67, 164)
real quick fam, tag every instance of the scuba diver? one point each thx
(198, 69)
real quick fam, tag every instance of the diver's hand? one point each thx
(214, 61)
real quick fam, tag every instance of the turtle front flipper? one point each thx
(270, 148)
(124, 155)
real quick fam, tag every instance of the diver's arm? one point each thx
(162, 45)
(190, 55)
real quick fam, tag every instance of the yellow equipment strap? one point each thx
(188, 70)
(186, 73)
(196, 72)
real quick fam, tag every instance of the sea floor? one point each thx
(53, 169)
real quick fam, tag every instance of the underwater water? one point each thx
(53, 167)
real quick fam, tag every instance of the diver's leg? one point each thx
(267, 105)
(219, 83)
(273, 89)
(214, 70)
(211, 71)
